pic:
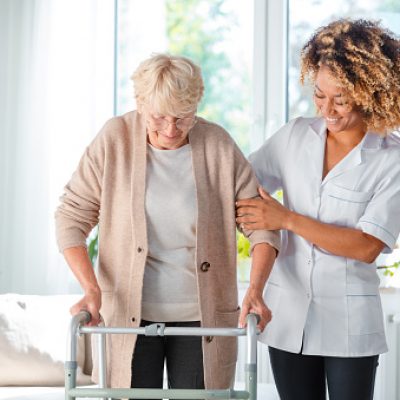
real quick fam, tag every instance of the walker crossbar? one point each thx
(160, 393)
(76, 328)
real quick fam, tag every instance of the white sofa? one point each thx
(33, 339)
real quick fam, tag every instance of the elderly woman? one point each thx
(340, 175)
(162, 185)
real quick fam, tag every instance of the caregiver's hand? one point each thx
(262, 213)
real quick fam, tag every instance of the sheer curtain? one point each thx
(56, 91)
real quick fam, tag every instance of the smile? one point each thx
(332, 120)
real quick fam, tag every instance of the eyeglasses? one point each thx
(161, 124)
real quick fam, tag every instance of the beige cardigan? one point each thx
(108, 188)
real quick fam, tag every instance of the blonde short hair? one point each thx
(169, 85)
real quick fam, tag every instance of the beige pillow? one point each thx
(33, 340)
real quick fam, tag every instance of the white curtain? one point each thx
(56, 91)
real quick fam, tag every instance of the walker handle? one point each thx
(84, 316)
(258, 318)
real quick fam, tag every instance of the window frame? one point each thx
(270, 69)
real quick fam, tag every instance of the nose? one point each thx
(171, 130)
(328, 108)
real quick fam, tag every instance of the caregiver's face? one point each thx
(334, 106)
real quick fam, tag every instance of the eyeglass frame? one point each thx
(151, 118)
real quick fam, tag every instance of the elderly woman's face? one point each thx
(167, 132)
(339, 113)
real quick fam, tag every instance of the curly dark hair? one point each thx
(364, 58)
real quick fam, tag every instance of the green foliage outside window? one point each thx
(200, 30)
(243, 246)
(389, 270)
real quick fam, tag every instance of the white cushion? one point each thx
(33, 340)
(35, 393)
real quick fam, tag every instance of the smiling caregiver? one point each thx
(340, 175)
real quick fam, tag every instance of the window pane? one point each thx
(320, 12)
(218, 35)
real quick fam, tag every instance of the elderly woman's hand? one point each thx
(264, 213)
(253, 302)
(90, 302)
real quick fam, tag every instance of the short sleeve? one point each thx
(381, 218)
(267, 160)
(246, 186)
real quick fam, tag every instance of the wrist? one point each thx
(255, 290)
(289, 221)
(91, 290)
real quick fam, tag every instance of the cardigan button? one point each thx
(209, 339)
(205, 266)
(139, 249)
(133, 319)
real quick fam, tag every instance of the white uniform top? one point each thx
(327, 303)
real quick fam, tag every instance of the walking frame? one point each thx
(77, 328)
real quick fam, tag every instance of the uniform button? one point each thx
(133, 319)
(205, 266)
(209, 339)
(139, 249)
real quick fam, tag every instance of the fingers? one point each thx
(256, 225)
(254, 303)
(265, 317)
(246, 216)
(247, 203)
(95, 317)
(246, 210)
(246, 219)
(254, 202)
(87, 304)
(243, 315)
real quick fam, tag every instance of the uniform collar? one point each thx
(371, 141)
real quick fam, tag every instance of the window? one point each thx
(302, 24)
(218, 35)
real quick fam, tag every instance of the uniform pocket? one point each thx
(271, 297)
(348, 195)
(365, 314)
(226, 345)
(345, 206)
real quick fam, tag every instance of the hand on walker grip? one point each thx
(90, 302)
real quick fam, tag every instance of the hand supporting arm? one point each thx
(267, 213)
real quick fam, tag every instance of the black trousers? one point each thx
(303, 377)
(183, 356)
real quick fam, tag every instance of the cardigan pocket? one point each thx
(106, 306)
(227, 345)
